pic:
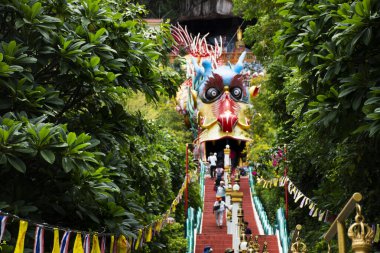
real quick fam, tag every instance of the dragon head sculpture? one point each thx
(214, 99)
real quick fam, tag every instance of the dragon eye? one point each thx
(212, 93)
(236, 93)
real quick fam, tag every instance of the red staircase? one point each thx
(211, 235)
(248, 216)
(218, 238)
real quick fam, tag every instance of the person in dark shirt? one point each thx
(217, 183)
(247, 230)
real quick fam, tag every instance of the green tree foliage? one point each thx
(71, 154)
(268, 22)
(161, 8)
(323, 78)
(263, 132)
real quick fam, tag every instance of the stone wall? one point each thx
(196, 9)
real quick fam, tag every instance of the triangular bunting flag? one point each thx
(103, 245)
(65, 242)
(78, 246)
(95, 244)
(87, 244)
(3, 224)
(303, 202)
(149, 234)
(315, 214)
(56, 241)
(111, 243)
(122, 244)
(142, 241)
(19, 248)
(39, 237)
(159, 225)
(321, 214)
(129, 245)
(138, 239)
(311, 211)
(300, 195)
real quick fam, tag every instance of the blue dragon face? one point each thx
(221, 80)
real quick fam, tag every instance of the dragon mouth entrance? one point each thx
(236, 147)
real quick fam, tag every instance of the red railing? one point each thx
(231, 57)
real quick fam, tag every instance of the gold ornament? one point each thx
(265, 248)
(254, 246)
(360, 233)
(298, 246)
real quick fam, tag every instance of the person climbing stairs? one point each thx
(217, 238)
(211, 235)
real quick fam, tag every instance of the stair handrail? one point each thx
(190, 230)
(203, 167)
(282, 229)
(267, 227)
(194, 217)
(295, 235)
(338, 226)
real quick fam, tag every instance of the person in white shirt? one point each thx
(212, 160)
(218, 209)
(221, 190)
(219, 172)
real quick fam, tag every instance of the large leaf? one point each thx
(17, 163)
(67, 164)
(48, 155)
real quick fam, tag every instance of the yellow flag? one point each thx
(78, 247)
(129, 245)
(56, 241)
(19, 248)
(111, 243)
(149, 234)
(95, 244)
(316, 212)
(158, 225)
(138, 239)
(122, 244)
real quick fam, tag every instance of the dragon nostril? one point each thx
(227, 118)
(227, 121)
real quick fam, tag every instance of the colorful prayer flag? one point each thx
(78, 247)
(56, 241)
(103, 245)
(3, 220)
(39, 237)
(87, 246)
(19, 248)
(149, 234)
(122, 244)
(112, 246)
(138, 239)
(65, 242)
(95, 244)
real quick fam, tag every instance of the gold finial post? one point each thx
(254, 245)
(338, 225)
(297, 246)
(239, 34)
(360, 233)
(341, 228)
(265, 248)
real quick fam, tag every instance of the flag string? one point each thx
(144, 233)
(284, 181)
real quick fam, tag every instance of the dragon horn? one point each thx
(239, 65)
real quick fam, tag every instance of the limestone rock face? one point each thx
(195, 9)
